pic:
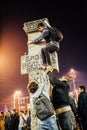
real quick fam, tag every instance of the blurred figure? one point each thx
(22, 120)
(29, 121)
(82, 106)
(74, 109)
(72, 103)
(14, 120)
(8, 120)
(2, 122)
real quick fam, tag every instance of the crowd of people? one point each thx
(15, 120)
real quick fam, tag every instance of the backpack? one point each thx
(43, 106)
(55, 33)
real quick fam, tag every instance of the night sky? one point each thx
(70, 17)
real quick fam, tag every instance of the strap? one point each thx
(24, 120)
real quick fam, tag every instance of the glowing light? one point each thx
(17, 96)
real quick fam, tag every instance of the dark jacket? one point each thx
(82, 104)
(14, 121)
(7, 122)
(60, 91)
(44, 35)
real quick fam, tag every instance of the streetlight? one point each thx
(17, 95)
(14, 100)
(73, 75)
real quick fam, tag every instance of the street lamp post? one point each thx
(17, 99)
(14, 101)
(73, 75)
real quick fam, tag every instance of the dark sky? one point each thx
(69, 16)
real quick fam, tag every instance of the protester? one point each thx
(82, 106)
(2, 122)
(36, 89)
(51, 44)
(60, 100)
(8, 120)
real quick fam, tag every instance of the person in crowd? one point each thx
(74, 109)
(29, 121)
(8, 120)
(51, 45)
(72, 103)
(14, 119)
(36, 89)
(22, 120)
(60, 100)
(2, 122)
(82, 106)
